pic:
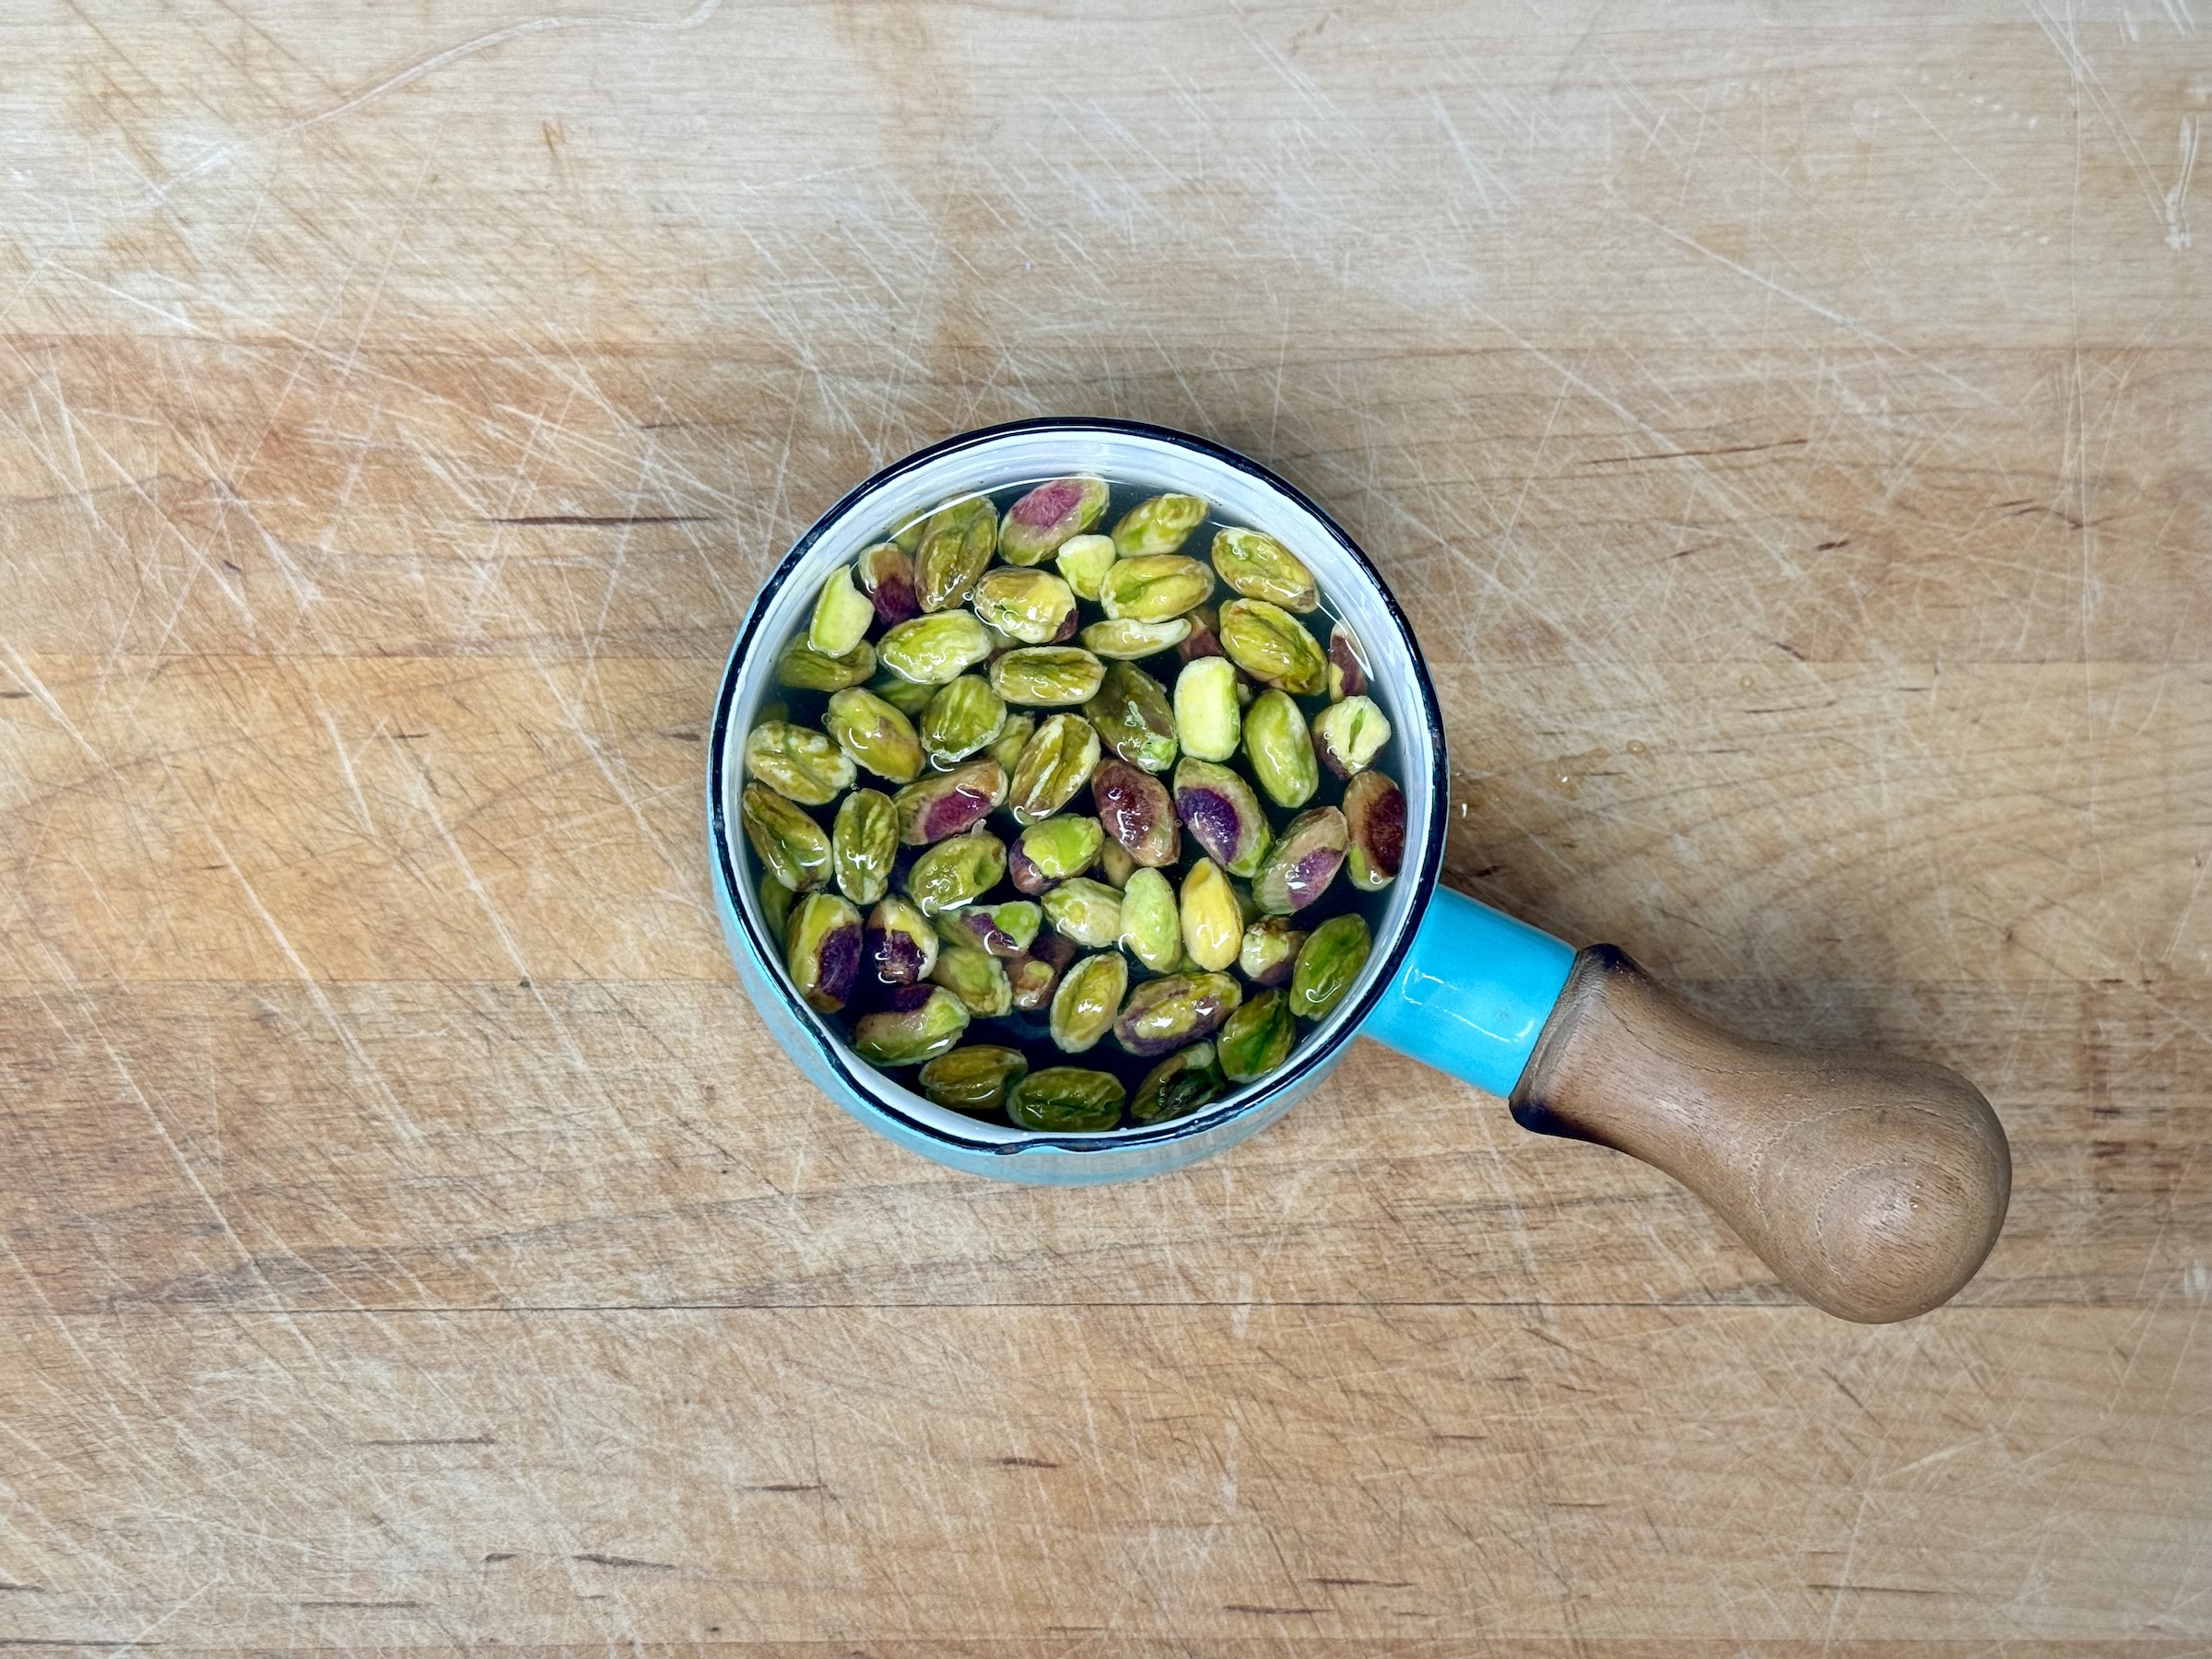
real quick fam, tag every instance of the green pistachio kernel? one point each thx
(1084, 560)
(1066, 1100)
(1273, 647)
(957, 871)
(1151, 925)
(1062, 845)
(977, 978)
(1347, 736)
(874, 733)
(1031, 606)
(1178, 1085)
(1161, 524)
(1089, 996)
(1087, 912)
(1047, 675)
(1127, 640)
(1328, 962)
(1003, 930)
(806, 669)
(862, 841)
(1165, 1013)
(936, 649)
(1280, 749)
(821, 949)
(798, 762)
(1212, 923)
(1269, 948)
(956, 548)
(1259, 567)
(775, 907)
(1209, 720)
(1047, 516)
(841, 615)
(973, 1078)
(1056, 762)
(1155, 587)
(1133, 718)
(1257, 1038)
(1013, 738)
(961, 718)
(909, 697)
(1116, 866)
(790, 845)
(917, 1023)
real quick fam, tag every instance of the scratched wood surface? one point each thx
(1790, 437)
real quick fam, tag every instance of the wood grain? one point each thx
(1787, 434)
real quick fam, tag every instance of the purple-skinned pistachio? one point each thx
(1222, 814)
(1269, 947)
(1033, 975)
(949, 803)
(1037, 524)
(916, 1023)
(1002, 930)
(821, 949)
(1205, 638)
(1347, 736)
(902, 946)
(976, 977)
(1374, 816)
(1347, 664)
(886, 573)
(1134, 809)
(1066, 844)
(1303, 861)
(1164, 1013)
(1328, 962)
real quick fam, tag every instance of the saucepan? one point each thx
(1872, 1186)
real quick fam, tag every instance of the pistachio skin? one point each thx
(821, 950)
(1047, 676)
(790, 845)
(1135, 810)
(1269, 950)
(1056, 762)
(1179, 1086)
(1212, 921)
(1259, 567)
(902, 946)
(1154, 588)
(1089, 913)
(1151, 924)
(841, 615)
(804, 669)
(1126, 639)
(1303, 861)
(1347, 664)
(973, 1078)
(875, 735)
(1060, 846)
(1328, 962)
(1066, 1100)
(1165, 1013)
(1257, 1038)
(1280, 749)
(949, 804)
(1002, 930)
(885, 574)
(976, 977)
(1042, 521)
(934, 649)
(1035, 974)
(1273, 647)
(957, 544)
(963, 717)
(1084, 561)
(1208, 721)
(909, 697)
(863, 841)
(1133, 718)
(776, 901)
(1222, 814)
(957, 871)
(1347, 736)
(1374, 816)
(1205, 638)
(1013, 738)
(1159, 524)
(916, 1024)
(798, 762)
(1031, 606)
(1087, 1001)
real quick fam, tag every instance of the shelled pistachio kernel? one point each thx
(1178, 1085)
(1155, 587)
(1089, 996)
(963, 717)
(1212, 921)
(1259, 567)
(1045, 676)
(1347, 664)
(1057, 760)
(864, 841)
(1133, 721)
(909, 697)
(973, 1078)
(1303, 861)
(1257, 1038)
(1066, 1100)
(957, 544)
(1005, 748)
(1222, 814)
(1003, 930)
(1347, 736)
(1327, 964)
(1159, 525)
(955, 871)
(948, 804)
(797, 762)
(808, 670)
(1208, 720)
(1165, 1013)
(776, 901)
(1205, 638)
(935, 649)
(821, 950)
(874, 733)
(1087, 912)
(1127, 640)
(976, 977)
(900, 944)
(1116, 865)
(916, 1023)
(1151, 923)
(1083, 562)
(1032, 607)
(841, 615)
(1036, 972)
(1268, 950)
(1135, 810)
(1273, 647)
(1374, 816)
(790, 845)
(885, 574)
(1045, 519)
(1054, 849)
(1280, 749)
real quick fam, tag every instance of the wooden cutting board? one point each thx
(1790, 437)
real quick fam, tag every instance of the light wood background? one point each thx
(1792, 435)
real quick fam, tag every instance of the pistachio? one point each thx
(886, 577)
(790, 845)
(1013, 738)
(1222, 814)
(1155, 587)
(1269, 948)
(1044, 519)
(1212, 923)
(1159, 524)
(1257, 1038)
(1055, 764)
(1259, 567)
(955, 871)
(1066, 1100)
(976, 977)
(901, 945)
(1084, 560)
(948, 803)
(1115, 864)
(821, 949)
(1205, 638)
(1303, 861)
(908, 537)
(1328, 962)
(1127, 639)
(956, 548)
(1036, 972)
(804, 669)
(1165, 1013)
(1089, 997)
(1374, 816)
(1065, 844)
(1033, 606)
(862, 841)
(775, 907)
(1046, 676)
(1273, 646)
(936, 649)
(1280, 749)
(1208, 721)
(798, 762)
(1087, 912)
(1178, 1085)
(1133, 717)
(916, 1023)
(909, 697)
(874, 733)
(961, 718)
(1135, 810)
(1152, 929)
(973, 1078)
(841, 615)
(1347, 664)
(1347, 736)
(1003, 930)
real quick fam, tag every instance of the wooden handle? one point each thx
(1873, 1187)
